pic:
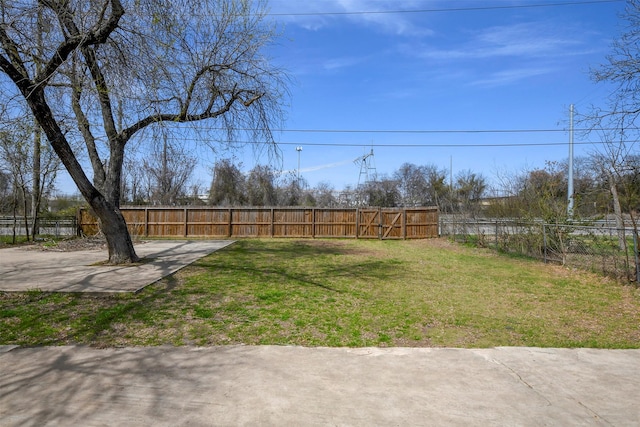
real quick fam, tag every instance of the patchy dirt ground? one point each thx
(66, 245)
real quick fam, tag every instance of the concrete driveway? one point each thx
(283, 386)
(23, 268)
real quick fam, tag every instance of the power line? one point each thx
(424, 131)
(418, 131)
(399, 131)
(366, 145)
(416, 145)
(457, 9)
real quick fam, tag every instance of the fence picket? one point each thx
(274, 222)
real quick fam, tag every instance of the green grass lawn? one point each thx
(342, 293)
(8, 240)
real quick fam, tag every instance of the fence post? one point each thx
(635, 253)
(313, 223)
(404, 223)
(272, 222)
(146, 222)
(186, 222)
(544, 241)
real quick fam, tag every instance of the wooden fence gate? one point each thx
(382, 223)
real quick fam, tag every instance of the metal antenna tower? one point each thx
(367, 168)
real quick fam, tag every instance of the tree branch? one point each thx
(182, 117)
(85, 129)
(99, 34)
(103, 94)
(13, 64)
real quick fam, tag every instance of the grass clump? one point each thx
(342, 293)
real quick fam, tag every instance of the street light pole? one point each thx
(298, 149)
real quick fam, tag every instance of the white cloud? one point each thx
(502, 55)
(518, 40)
(338, 63)
(510, 76)
(406, 24)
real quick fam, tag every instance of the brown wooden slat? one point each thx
(400, 223)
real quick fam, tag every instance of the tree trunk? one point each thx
(115, 230)
(25, 211)
(15, 213)
(617, 209)
(36, 192)
(112, 222)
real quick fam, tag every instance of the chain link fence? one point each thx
(596, 246)
(58, 227)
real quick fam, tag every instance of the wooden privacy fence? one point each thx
(359, 223)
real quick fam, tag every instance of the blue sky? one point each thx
(496, 69)
(505, 67)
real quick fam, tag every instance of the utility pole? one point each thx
(570, 178)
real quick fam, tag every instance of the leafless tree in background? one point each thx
(616, 123)
(261, 186)
(290, 190)
(412, 184)
(228, 187)
(423, 185)
(383, 192)
(17, 154)
(470, 188)
(167, 170)
(617, 163)
(324, 195)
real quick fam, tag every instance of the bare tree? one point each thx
(589, 194)
(622, 70)
(133, 183)
(168, 170)
(291, 190)
(7, 201)
(28, 176)
(383, 192)
(228, 187)
(616, 123)
(15, 154)
(412, 184)
(439, 193)
(542, 193)
(324, 195)
(5, 192)
(615, 161)
(261, 186)
(470, 188)
(126, 66)
(348, 197)
(421, 185)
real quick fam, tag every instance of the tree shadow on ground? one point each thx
(353, 263)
